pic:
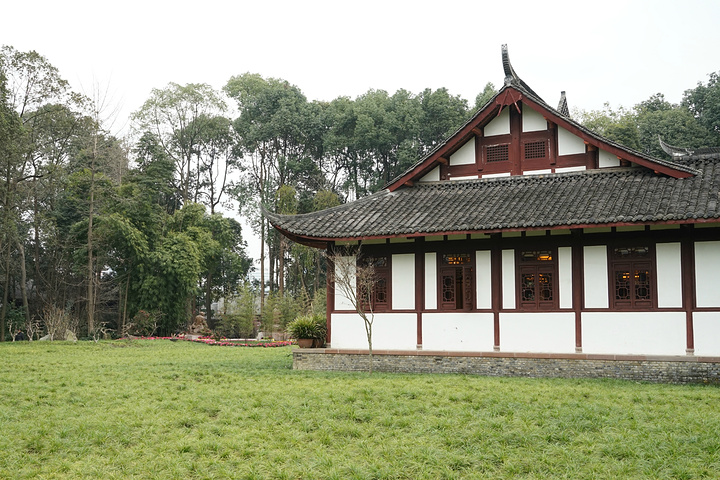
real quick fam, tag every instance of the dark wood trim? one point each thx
(330, 294)
(515, 146)
(578, 284)
(687, 262)
(496, 286)
(419, 287)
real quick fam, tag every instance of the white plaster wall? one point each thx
(496, 175)
(508, 278)
(466, 154)
(432, 176)
(707, 266)
(391, 331)
(607, 159)
(569, 144)
(483, 279)
(596, 277)
(532, 121)
(463, 177)
(641, 333)
(579, 168)
(706, 330)
(430, 281)
(344, 266)
(403, 281)
(537, 172)
(472, 332)
(669, 275)
(565, 273)
(537, 332)
(499, 125)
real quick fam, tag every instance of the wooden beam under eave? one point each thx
(478, 132)
(443, 160)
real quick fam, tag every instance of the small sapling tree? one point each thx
(355, 280)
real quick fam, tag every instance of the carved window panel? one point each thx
(457, 285)
(379, 291)
(537, 284)
(632, 278)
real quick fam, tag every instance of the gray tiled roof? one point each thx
(594, 197)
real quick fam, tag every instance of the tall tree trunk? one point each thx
(208, 296)
(23, 280)
(90, 267)
(262, 265)
(281, 267)
(6, 290)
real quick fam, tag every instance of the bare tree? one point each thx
(355, 280)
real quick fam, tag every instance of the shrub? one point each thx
(144, 323)
(234, 326)
(308, 326)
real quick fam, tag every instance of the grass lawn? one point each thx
(161, 409)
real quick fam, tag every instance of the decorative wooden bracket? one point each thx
(509, 97)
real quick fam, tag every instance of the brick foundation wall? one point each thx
(672, 369)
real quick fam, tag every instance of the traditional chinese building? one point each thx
(525, 237)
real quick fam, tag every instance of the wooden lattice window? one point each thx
(380, 289)
(456, 282)
(538, 280)
(631, 277)
(534, 150)
(497, 153)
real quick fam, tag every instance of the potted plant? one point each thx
(307, 330)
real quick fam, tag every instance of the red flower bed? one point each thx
(227, 343)
(224, 343)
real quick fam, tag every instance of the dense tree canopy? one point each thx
(134, 234)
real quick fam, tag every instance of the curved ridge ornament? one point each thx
(510, 75)
(674, 151)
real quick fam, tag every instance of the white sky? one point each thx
(598, 51)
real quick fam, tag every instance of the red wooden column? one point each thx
(687, 262)
(330, 284)
(496, 282)
(419, 287)
(577, 285)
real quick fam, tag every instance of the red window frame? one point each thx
(632, 276)
(380, 295)
(537, 279)
(456, 281)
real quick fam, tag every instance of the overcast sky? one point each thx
(611, 51)
(619, 52)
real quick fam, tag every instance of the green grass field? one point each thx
(161, 409)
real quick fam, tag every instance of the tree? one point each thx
(354, 280)
(178, 118)
(11, 142)
(703, 102)
(272, 118)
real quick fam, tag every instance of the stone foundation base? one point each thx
(664, 369)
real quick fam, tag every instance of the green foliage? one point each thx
(237, 319)
(279, 311)
(144, 323)
(308, 326)
(703, 102)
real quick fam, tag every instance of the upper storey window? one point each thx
(497, 153)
